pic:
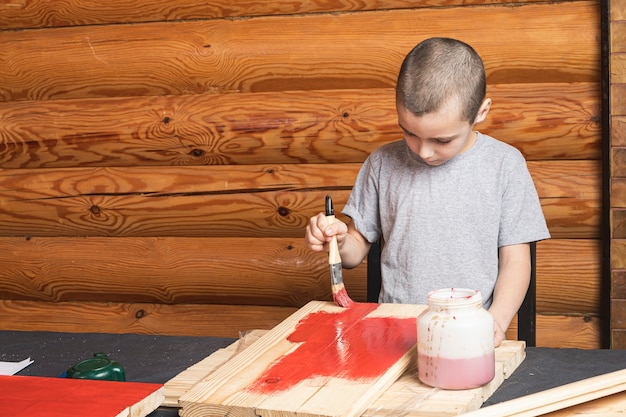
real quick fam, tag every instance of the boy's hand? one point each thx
(318, 232)
(498, 334)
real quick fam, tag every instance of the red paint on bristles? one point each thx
(341, 297)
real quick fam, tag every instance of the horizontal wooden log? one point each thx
(561, 262)
(544, 121)
(261, 271)
(221, 320)
(176, 320)
(16, 14)
(239, 201)
(555, 331)
(285, 53)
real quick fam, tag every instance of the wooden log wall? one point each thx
(160, 160)
(617, 172)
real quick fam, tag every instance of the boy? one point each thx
(452, 207)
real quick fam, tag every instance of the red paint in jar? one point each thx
(456, 374)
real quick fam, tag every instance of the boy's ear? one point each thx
(483, 111)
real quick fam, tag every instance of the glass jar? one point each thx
(455, 340)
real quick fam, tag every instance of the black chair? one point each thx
(526, 316)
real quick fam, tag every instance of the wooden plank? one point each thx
(256, 271)
(399, 397)
(243, 386)
(184, 381)
(241, 201)
(608, 406)
(220, 56)
(17, 14)
(32, 396)
(306, 127)
(557, 398)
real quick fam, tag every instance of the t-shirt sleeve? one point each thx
(363, 204)
(522, 219)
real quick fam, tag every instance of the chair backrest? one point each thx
(526, 316)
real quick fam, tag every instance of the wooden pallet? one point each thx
(406, 395)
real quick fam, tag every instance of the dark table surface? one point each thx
(157, 359)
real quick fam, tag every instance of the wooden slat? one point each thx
(242, 201)
(261, 271)
(544, 121)
(361, 50)
(558, 398)
(16, 14)
(220, 320)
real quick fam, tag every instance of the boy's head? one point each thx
(437, 71)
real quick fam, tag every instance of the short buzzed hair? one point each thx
(440, 69)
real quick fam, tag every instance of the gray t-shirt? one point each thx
(441, 226)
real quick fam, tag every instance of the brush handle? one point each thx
(333, 248)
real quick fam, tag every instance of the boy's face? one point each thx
(438, 137)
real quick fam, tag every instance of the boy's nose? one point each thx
(425, 152)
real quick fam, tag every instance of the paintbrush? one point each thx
(340, 295)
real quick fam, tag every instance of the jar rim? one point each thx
(454, 295)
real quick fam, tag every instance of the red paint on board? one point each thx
(343, 345)
(30, 396)
(341, 297)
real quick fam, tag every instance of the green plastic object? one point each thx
(98, 367)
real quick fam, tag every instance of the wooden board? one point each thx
(321, 361)
(558, 398)
(407, 394)
(31, 396)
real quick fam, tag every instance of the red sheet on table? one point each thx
(30, 396)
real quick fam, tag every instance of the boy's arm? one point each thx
(354, 248)
(511, 286)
